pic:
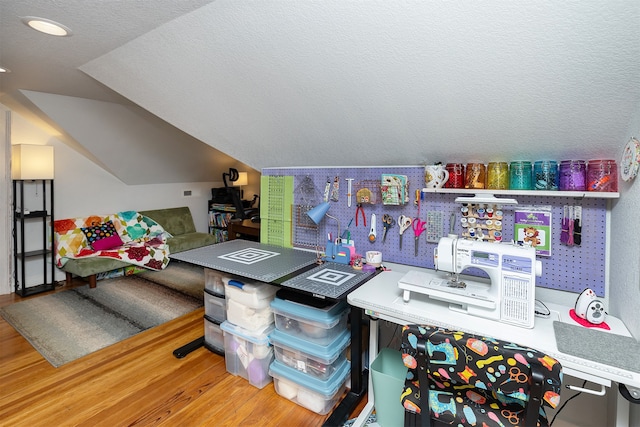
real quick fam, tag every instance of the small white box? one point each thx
(311, 393)
(318, 325)
(248, 354)
(252, 294)
(215, 306)
(252, 319)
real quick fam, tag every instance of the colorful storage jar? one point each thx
(545, 175)
(316, 395)
(572, 175)
(520, 173)
(248, 354)
(498, 175)
(318, 361)
(456, 175)
(317, 325)
(602, 175)
(475, 175)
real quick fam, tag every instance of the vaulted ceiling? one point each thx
(333, 82)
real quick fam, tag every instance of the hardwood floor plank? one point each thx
(137, 382)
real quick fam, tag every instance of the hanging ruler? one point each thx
(276, 194)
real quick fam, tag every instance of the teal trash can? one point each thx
(388, 374)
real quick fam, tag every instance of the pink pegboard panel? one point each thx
(569, 268)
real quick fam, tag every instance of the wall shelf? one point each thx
(512, 193)
(40, 222)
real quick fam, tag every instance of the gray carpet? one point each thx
(68, 325)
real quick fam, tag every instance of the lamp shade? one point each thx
(316, 214)
(31, 162)
(243, 179)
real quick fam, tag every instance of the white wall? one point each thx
(625, 255)
(5, 217)
(625, 247)
(82, 188)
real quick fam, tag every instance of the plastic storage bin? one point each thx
(312, 359)
(311, 393)
(214, 281)
(213, 336)
(247, 354)
(215, 306)
(252, 319)
(251, 294)
(318, 325)
(388, 374)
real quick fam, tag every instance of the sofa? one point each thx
(144, 241)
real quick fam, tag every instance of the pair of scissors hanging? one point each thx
(419, 226)
(387, 223)
(404, 222)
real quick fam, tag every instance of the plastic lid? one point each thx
(328, 387)
(329, 315)
(261, 289)
(329, 352)
(256, 337)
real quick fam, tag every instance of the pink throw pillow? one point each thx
(107, 243)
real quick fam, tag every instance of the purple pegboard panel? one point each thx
(569, 268)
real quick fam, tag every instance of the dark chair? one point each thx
(468, 380)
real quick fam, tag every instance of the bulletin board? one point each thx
(568, 268)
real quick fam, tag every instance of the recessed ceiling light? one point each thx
(47, 26)
(4, 70)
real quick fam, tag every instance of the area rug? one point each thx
(68, 325)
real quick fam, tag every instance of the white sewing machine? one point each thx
(508, 295)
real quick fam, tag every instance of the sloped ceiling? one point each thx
(46, 86)
(303, 83)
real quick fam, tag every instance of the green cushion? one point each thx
(176, 221)
(85, 267)
(184, 242)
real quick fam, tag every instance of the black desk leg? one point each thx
(358, 374)
(188, 348)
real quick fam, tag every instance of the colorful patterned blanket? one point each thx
(126, 236)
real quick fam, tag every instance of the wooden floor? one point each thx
(136, 382)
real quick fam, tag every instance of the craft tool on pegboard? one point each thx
(275, 213)
(569, 268)
(306, 197)
(435, 226)
(349, 189)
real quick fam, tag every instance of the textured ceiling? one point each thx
(295, 83)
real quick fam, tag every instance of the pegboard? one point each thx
(568, 268)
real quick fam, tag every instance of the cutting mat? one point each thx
(329, 280)
(252, 260)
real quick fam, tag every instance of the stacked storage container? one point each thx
(249, 321)
(215, 310)
(310, 344)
